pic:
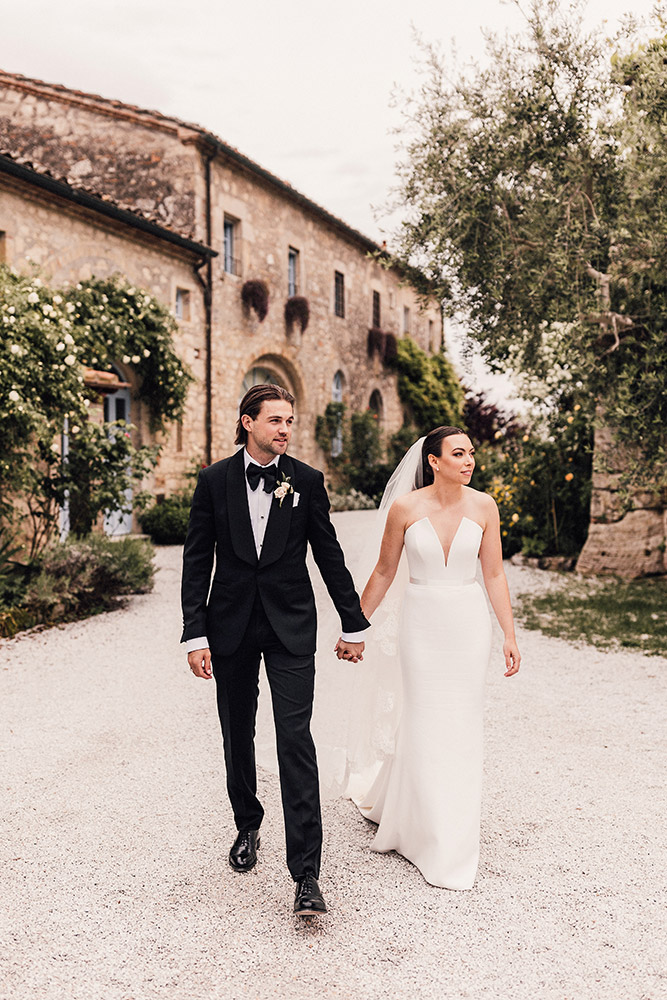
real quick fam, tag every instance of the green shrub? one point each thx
(82, 577)
(167, 521)
(542, 484)
(351, 500)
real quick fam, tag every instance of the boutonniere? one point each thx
(282, 489)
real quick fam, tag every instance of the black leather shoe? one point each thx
(243, 855)
(308, 900)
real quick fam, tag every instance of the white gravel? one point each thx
(115, 828)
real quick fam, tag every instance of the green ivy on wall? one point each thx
(427, 386)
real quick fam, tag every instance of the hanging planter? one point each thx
(383, 344)
(297, 310)
(255, 295)
(390, 349)
(376, 341)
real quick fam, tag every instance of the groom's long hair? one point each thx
(252, 404)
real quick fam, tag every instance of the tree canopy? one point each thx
(535, 197)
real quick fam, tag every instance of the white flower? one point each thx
(86, 402)
(32, 298)
(282, 489)
(135, 359)
(126, 359)
(147, 353)
(60, 346)
(75, 429)
(69, 339)
(70, 359)
(70, 307)
(15, 349)
(11, 309)
(57, 299)
(14, 396)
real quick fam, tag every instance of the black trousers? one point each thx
(292, 681)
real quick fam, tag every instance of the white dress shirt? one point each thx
(259, 504)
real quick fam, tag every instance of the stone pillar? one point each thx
(624, 539)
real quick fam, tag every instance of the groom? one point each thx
(255, 513)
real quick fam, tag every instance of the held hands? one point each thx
(512, 657)
(199, 661)
(353, 651)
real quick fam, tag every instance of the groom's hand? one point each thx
(200, 663)
(353, 651)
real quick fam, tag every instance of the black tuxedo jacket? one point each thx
(220, 528)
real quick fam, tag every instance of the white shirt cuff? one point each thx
(192, 644)
(356, 636)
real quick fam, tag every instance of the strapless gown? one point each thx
(426, 799)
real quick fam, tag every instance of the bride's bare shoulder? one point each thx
(403, 508)
(483, 504)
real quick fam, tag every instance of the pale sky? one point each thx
(302, 87)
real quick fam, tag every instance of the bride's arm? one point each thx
(390, 553)
(491, 557)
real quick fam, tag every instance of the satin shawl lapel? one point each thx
(280, 518)
(240, 528)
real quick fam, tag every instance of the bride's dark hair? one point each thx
(433, 446)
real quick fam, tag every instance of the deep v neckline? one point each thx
(447, 555)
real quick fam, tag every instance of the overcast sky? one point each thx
(302, 87)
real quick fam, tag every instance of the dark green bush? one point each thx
(167, 521)
(82, 577)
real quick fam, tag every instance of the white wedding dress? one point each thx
(426, 798)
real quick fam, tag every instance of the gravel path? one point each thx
(114, 833)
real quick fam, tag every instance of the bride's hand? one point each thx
(353, 651)
(512, 657)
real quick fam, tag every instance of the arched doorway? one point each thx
(375, 404)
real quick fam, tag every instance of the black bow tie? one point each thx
(256, 472)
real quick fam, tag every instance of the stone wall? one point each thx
(268, 227)
(138, 161)
(156, 165)
(624, 542)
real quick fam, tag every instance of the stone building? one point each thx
(90, 186)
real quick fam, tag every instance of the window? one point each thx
(231, 246)
(431, 344)
(292, 272)
(260, 376)
(376, 311)
(182, 306)
(339, 294)
(406, 319)
(337, 387)
(375, 404)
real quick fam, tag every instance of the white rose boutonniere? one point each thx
(282, 489)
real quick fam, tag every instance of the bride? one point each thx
(426, 797)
